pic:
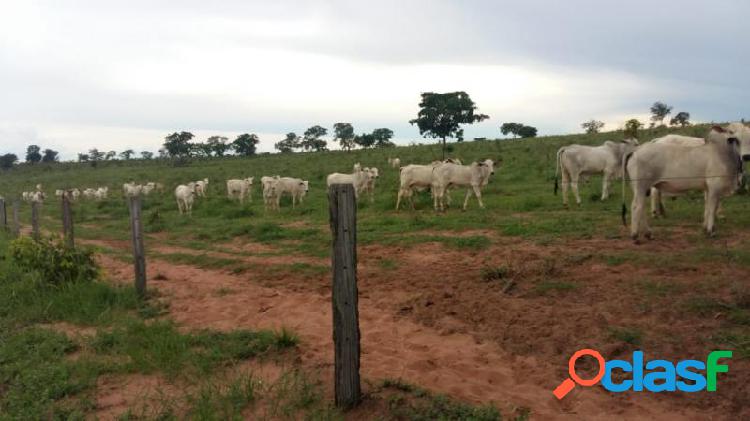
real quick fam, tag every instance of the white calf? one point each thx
(473, 177)
(296, 187)
(185, 196)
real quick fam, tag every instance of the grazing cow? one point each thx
(473, 177)
(201, 187)
(358, 178)
(75, 194)
(37, 197)
(131, 189)
(240, 188)
(269, 191)
(370, 185)
(674, 168)
(89, 193)
(59, 193)
(394, 162)
(101, 193)
(296, 187)
(185, 196)
(573, 161)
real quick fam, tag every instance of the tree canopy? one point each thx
(32, 154)
(383, 137)
(592, 126)
(49, 155)
(313, 140)
(632, 128)
(218, 145)
(682, 119)
(518, 129)
(441, 115)
(660, 111)
(288, 144)
(178, 144)
(8, 160)
(343, 133)
(245, 144)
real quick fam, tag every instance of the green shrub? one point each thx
(56, 263)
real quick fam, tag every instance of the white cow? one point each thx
(201, 187)
(37, 197)
(185, 196)
(269, 191)
(131, 189)
(296, 187)
(101, 193)
(473, 177)
(75, 194)
(394, 162)
(240, 188)
(370, 185)
(415, 177)
(657, 204)
(673, 168)
(358, 178)
(89, 193)
(59, 193)
(573, 161)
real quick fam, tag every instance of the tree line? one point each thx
(440, 116)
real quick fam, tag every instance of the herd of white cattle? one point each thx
(669, 165)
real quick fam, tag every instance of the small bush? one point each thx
(56, 263)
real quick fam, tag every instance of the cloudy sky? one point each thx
(118, 75)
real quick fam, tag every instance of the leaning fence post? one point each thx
(16, 221)
(3, 215)
(67, 220)
(35, 220)
(139, 255)
(343, 220)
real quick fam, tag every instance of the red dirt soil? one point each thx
(431, 320)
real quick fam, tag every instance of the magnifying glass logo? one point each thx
(568, 384)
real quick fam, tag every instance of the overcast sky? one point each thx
(117, 75)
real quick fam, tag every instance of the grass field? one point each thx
(515, 260)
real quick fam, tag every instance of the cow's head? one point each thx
(631, 141)
(374, 172)
(721, 136)
(305, 186)
(488, 165)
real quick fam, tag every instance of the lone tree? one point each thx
(8, 160)
(127, 154)
(95, 155)
(441, 115)
(383, 137)
(288, 144)
(511, 128)
(527, 132)
(344, 134)
(178, 144)
(660, 111)
(83, 157)
(682, 119)
(49, 156)
(110, 155)
(147, 154)
(218, 145)
(592, 126)
(632, 128)
(245, 144)
(313, 139)
(32, 154)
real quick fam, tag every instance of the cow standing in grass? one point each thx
(185, 195)
(574, 161)
(675, 169)
(473, 177)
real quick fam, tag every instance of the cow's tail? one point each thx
(557, 167)
(624, 212)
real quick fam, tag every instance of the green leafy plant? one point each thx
(56, 263)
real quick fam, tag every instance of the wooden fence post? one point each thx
(67, 220)
(343, 220)
(35, 220)
(139, 254)
(3, 215)
(16, 221)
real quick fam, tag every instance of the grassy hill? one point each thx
(519, 198)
